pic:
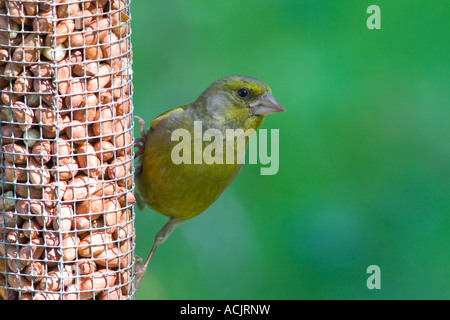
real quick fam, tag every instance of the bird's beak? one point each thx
(266, 105)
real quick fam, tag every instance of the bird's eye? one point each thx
(243, 93)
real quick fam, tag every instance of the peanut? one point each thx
(101, 80)
(54, 278)
(9, 133)
(109, 258)
(125, 197)
(15, 153)
(120, 167)
(63, 218)
(43, 23)
(87, 114)
(47, 296)
(31, 136)
(4, 293)
(66, 170)
(99, 280)
(77, 132)
(43, 70)
(93, 245)
(92, 208)
(16, 281)
(30, 51)
(45, 88)
(75, 97)
(23, 115)
(111, 47)
(104, 150)
(104, 125)
(30, 228)
(15, 173)
(7, 202)
(55, 54)
(62, 147)
(38, 174)
(42, 151)
(23, 84)
(70, 292)
(63, 29)
(86, 266)
(4, 55)
(111, 294)
(42, 214)
(112, 212)
(67, 10)
(69, 243)
(122, 138)
(35, 271)
(87, 158)
(32, 251)
(79, 188)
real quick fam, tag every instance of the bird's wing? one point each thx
(168, 115)
(163, 119)
(137, 176)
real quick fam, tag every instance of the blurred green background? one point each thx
(364, 172)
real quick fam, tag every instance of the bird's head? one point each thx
(238, 99)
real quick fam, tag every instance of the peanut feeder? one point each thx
(66, 156)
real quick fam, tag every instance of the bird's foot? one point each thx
(140, 145)
(161, 236)
(140, 142)
(140, 270)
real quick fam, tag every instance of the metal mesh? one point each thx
(66, 165)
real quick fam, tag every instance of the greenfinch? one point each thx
(182, 190)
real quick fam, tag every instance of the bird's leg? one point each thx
(142, 140)
(160, 237)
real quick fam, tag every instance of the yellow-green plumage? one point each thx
(182, 191)
(186, 190)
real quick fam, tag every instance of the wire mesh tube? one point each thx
(66, 167)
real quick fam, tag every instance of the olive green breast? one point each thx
(181, 190)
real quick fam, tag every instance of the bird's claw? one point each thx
(139, 271)
(139, 268)
(140, 142)
(140, 145)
